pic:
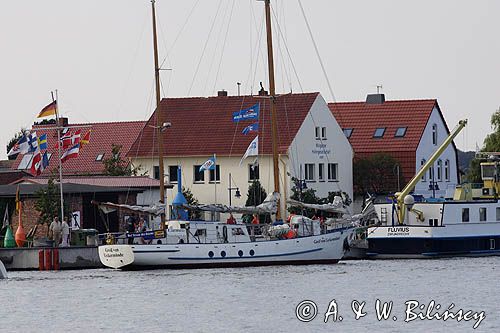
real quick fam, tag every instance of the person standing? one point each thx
(65, 233)
(55, 229)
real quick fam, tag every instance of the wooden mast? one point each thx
(159, 118)
(272, 92)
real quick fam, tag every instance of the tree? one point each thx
(116, 166)
(48, 203)
(192, 201)
(255, 196)
(13, 141)
(376, 174)
(491, 144)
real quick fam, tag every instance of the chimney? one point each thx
(63, 121)
(222, 93)
(375, 99)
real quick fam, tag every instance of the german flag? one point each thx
(49, 110)
(86, 138)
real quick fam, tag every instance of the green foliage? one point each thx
(191, 200)
(116, 166)
(255, 196)
(48, 203)
(376, 174)
(491, 144)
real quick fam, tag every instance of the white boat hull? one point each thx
(325, 248)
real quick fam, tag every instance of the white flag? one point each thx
(252, 150)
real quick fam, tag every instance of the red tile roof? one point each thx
(102, 137)
(365, 118)
(106, 181)
(204, 126)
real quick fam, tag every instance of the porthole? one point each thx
(211, 254)
(252, 252)
(223, 254)
(240, 253)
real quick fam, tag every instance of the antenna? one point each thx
(238, 84)
(379, 86)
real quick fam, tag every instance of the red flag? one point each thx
(71, 153)
(35, 164)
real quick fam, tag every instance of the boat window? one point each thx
(237, 231)
(201, 232)
(465, 214)
(487, 171)
(379, 132)
(436, 222)
(400, 132)
(215, 174)
(172, 173)
(492, 244)
(430, 222)
(309, 174)
(348, 132)
(321, 172)
(198, 176)
(482, 214)
(498, 213)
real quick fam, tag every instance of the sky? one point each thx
(98, 55)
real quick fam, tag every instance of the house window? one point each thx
(431, 173)
(215, 174)
(447, 170)
(321, 172)
(253, 172)
(309, 174)
(400, 132)
(465, 214)
(156, 172)
(99, 157)
(65, 130)
(348, 132)
(482, 214)
(172, 173)
(198, 176)
(317, 132)
(332, 172)
(434, 134)
(422, 162)
(379, 132)
(439, 170)
(323, 133)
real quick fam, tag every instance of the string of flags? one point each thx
(251, 113)
(29, 142)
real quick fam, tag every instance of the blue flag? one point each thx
(45, 161)
(250, 128)
(42, 141)
(209, 164)
(250, 113)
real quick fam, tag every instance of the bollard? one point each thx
(48, 259)
(55, 259)
(41, 262)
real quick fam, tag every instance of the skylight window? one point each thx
(348, 132)
(400, 132)
(379, 132)
(99, 157)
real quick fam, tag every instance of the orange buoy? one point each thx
(20, 236)
(55, 259)
(48, 259)
(290, 234)
(41, 260)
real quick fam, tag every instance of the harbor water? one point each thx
(260, 299)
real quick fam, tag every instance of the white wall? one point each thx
(305, 148)
(426, 148)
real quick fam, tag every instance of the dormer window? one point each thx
(348, 132)
(379, 132)
(434, 134)
(400, 132)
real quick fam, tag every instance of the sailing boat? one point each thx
(195, 244)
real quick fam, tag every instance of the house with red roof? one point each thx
(311, 145)
(408, 130)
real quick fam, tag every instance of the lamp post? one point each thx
(433, 185)
(231, 189)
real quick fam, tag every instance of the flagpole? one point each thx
(215, 178)
(59, 153)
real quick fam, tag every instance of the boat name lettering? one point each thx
(112, 252)
(398, 231)
(324, 240)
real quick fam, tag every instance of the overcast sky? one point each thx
(98, 54)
